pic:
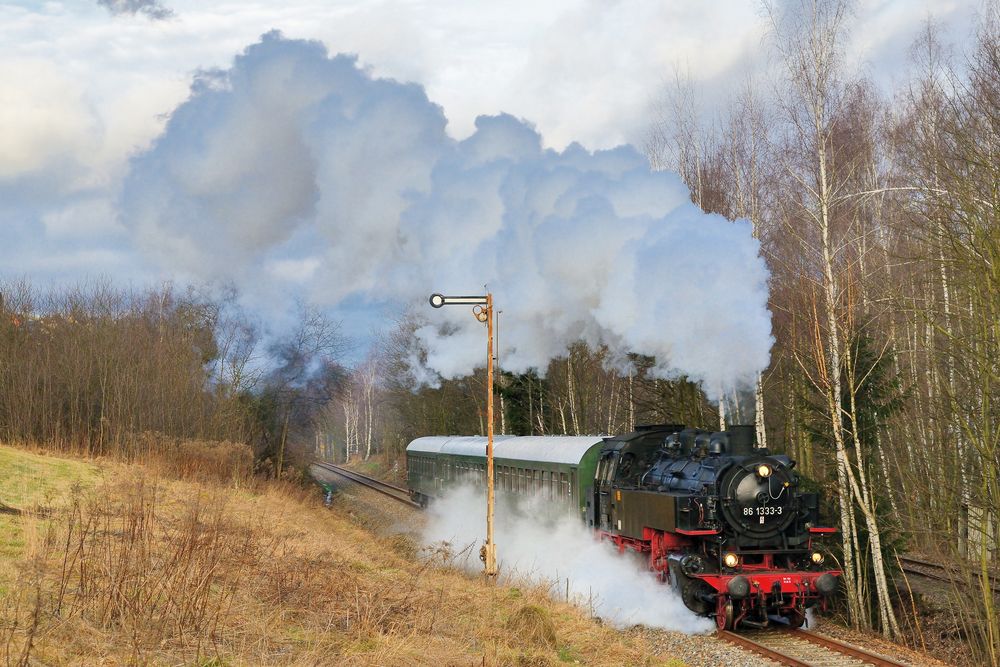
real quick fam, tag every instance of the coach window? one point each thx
(564, 484)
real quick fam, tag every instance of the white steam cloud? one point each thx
(553, 552)
(293, 167)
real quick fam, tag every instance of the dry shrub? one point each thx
(194, 460)
(186, 579)
(533, 625)
(112, 561)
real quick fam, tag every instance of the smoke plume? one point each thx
(558, 552)
(294, 170)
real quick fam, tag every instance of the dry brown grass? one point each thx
(230, 463)
(144, 569)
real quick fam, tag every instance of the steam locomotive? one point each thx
(721, 520)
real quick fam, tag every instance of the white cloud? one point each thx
(86, 218)
(47, 125)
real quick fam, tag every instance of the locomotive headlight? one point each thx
(817, 558)
(764, 470)
(730, 560)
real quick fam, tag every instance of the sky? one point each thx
(88, 88)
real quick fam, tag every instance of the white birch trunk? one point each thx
(759, 411)
(571, 390)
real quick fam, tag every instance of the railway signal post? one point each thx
(482, 308)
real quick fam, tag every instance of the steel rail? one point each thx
(913, 561)
(782, 652)
(760, 649)
(940, 572)
(845, 648)
(397, 493)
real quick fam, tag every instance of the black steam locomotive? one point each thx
(723, 521)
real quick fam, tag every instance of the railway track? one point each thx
(932, 570)
(802, 648)
(397, 493)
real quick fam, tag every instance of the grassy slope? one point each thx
(167, 572)
(30, 483)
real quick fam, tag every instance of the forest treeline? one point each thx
(878, 214)
(100, 370)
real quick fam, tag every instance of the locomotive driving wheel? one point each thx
(724, 614)
(693, 593)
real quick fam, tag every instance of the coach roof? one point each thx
(565, 449)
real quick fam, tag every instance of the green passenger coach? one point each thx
(557, 468)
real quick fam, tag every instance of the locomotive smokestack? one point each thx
(741, 440)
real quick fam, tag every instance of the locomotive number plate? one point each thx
(762, 511)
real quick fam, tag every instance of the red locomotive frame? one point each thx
(797, 587)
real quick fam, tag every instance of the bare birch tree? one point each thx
(808, 36)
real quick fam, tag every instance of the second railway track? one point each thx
(933, 570)
(802, 648)
(397, 493)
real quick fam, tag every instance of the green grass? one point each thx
(32, 482)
